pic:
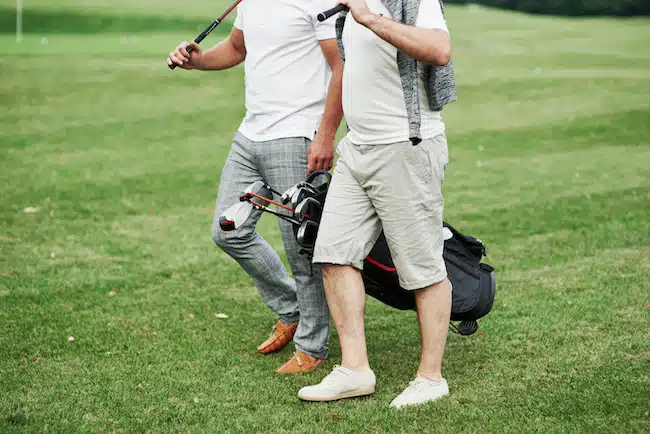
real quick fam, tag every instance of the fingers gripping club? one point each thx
(209, 29)
(331, 12)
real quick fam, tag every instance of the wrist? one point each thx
(326, 135)
(198, 63)
(369, 19)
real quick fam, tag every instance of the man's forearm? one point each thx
(431, 46)
(222, 56)
(333, 106)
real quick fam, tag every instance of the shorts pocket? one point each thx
(443, 162)
(418, 160)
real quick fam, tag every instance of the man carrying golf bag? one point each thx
(397, 77)
(473, 281)
(290, 61)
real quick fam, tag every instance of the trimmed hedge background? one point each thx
(568, 7)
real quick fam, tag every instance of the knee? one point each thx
(218, 236)
(229, 240)
(334, 272)
(221, 238)
(328, 270)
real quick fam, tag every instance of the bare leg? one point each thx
(434, 310)
(346, 299)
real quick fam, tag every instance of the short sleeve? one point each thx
(325, 29)
(430, 16)
(238, 21)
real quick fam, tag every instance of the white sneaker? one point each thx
(340, 383)
(421, 390)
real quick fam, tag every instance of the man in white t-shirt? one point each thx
(388, 176)
(290, 62)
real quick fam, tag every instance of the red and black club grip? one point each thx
(226, 224)
(331, 12)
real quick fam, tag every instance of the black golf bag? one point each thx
(473, 282)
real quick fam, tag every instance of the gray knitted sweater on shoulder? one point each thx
(441, 87)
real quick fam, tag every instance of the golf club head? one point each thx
(306, 234)
(310, 209)
(301, 194)
(260, 189)
(235, 216)
(287, 195)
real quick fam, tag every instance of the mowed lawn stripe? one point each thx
(514, 212)
(205, 140)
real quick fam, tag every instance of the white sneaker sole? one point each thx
(426, 401)
(350, 394)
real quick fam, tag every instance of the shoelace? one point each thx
(417, 384)
(331, 377)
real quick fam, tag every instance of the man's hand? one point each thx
(185, 60)
(360, 11)
(320, 155)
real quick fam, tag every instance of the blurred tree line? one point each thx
(569, 7)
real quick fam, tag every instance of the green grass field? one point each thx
(550, 167)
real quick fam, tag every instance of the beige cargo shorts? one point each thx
(397, 188)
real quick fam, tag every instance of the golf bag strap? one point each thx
(310, 256)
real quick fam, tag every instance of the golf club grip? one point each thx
(189, 50)
(330, 12)
(205, 33)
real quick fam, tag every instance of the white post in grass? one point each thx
(19, 20)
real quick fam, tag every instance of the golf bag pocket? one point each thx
(474, 287)
(473, 282)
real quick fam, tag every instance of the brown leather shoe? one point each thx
(281, 335)
(300, 362)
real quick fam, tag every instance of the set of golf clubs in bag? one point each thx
(473, 281)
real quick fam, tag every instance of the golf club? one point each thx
(331, 12)
(306, 234)
(287, 195)
(249, 199)
(301, 194)
(310, 209)
(259, 195)
(210, 28)
(235, 216)
(261, 190)
(248, 196)
(259, 187)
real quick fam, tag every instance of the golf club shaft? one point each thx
(273, 191)
(209, 29)
(279, 205)
(277, 214)
(331, 12)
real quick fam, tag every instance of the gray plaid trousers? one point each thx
(281, 164)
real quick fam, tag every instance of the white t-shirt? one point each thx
(287, 75)
(373, 98)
